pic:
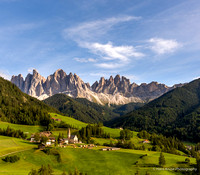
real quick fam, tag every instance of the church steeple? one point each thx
(69, 133)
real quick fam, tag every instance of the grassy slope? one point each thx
(28, 129)
(69, 120)
(10, 144)
(93, 162)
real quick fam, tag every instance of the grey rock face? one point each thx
(123, 86)
(116, 90)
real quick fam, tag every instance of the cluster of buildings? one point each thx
(71, 139)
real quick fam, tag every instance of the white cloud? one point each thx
(85, 60)
(107, 52)
(108, 55)
(110, 52)
(162, 46)
(110, 65)
(93, 29)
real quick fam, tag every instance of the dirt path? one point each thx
(15, 152)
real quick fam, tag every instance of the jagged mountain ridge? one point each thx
(112, 91)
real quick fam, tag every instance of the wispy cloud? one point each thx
(85, 60)
(93, 29)
(162, 46)
(110, 65)
(115, 56)
(109, 56)
(110, 52)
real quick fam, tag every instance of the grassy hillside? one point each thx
(69, 120)
(175, 113)
(93, 162)
(11, 145)
(18, 107)
(80, 109)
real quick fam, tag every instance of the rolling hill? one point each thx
(18, 107)
(176, 113)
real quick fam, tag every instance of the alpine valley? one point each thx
(63, 133)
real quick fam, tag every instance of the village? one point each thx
(45, 139)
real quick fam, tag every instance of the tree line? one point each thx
(85, 133)
(164, 144)
(12, 133)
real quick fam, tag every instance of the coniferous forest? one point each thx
(176, 113)
(18, 107)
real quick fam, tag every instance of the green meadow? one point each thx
(94, 162)
(69, 120)
(10, 144)
(90, 161)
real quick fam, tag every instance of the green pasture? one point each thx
(69, 120)
(94, 162)
(10, 144)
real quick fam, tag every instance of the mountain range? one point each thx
(117, 90)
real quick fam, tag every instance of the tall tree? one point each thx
(162, 159)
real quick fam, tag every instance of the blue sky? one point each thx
(150, 40)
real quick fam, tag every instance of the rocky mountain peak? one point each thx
(111, 78)
(117, 79)
(116, 90)
(59, 73)
(102, 81)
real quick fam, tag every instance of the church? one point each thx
(72, 138)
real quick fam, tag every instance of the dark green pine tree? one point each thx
(162, 159)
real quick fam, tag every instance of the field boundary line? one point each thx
(15, 152)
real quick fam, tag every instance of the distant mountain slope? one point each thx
(124, 109)
(176, 113)
(116, 90)
(18, 107)
(80, 109)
